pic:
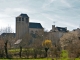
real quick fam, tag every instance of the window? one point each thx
(19, 19)
(22, 19)
(16, 18)
(26, 20)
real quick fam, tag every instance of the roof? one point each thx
(23, 15)
(18, 41)
(9, 34)
(61, 29)
(35, 25)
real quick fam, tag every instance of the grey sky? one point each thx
(66, 13)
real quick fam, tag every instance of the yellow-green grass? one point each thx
(29, 59)
(42, 59)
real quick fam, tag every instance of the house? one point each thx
(56, 33)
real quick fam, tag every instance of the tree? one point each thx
(6, 51)
(71, 42)
(69, 38)
(46, 44)
(6, 38)
(20, 51)
(6, 30)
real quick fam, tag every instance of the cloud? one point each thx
(60, 20)
(47, 2)
(64, 12)
(18, 10)
(66, 3)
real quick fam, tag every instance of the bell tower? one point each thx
(22, 25)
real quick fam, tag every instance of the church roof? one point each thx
(35, 25)
(61, 29)
(23, 15)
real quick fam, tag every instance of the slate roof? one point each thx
(23, 15)
(8, 34)
(61, 29)
(35, 25)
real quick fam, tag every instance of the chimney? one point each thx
(53, 27)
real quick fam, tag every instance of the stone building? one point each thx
(23, 26)
(77, 31)
(56, 33)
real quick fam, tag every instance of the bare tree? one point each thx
(6, 36)
(71, 42)
(6, 30)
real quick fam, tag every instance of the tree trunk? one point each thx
(20, 51)
(46, 50)
(6, 51)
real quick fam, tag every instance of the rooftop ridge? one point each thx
(23, 15)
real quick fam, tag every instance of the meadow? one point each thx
(43, 59)
(29, 59)
(63, 56)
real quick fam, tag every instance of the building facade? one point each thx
(23, 26)
(56, 33)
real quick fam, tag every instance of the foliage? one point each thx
(64, 55)
(71, 42)
(68, 38)
(47, 43)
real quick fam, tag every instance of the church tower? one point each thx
(22, 25)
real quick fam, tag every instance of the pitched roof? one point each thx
(8, 34)
(23, 15)
(35, 25)
(61, 29)
(18, 41)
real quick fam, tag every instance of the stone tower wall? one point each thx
(22, 26)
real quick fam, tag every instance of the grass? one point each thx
(63, 54)
(28, 59)
(17, 50)
(41, 59)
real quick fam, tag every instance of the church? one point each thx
(23, 26)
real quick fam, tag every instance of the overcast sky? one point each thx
(65, 13)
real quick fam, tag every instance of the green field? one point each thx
(28, 59)
(64, 56)
(41, 59)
